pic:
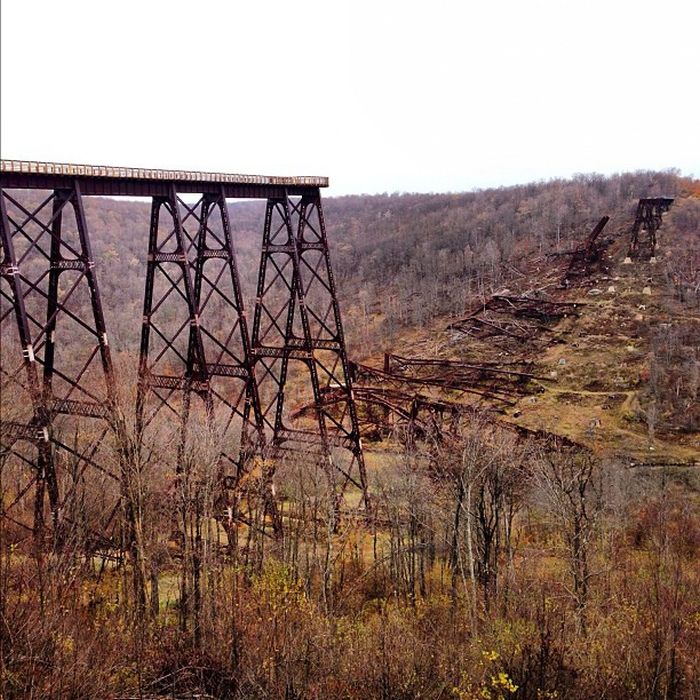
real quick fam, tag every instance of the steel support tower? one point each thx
(297, 331)
(199, 368)
(57, 370)
(650, 211)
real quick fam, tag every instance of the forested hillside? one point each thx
(532, 440)
(409, 263)
(399, 259)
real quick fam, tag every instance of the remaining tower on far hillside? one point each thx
(649, 216)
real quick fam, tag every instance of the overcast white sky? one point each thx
(378, 95)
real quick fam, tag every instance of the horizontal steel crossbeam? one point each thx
(12, 430)
(88, 409)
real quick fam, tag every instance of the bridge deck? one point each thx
(143, 182)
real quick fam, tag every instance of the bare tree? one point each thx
(569, 480)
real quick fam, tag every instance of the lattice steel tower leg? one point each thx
(202, 347)
(297, 330)
(39, 253)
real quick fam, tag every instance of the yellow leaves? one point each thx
(502, 681)
(462, 694)
(278, 595)
(64, 643)
(494, 685)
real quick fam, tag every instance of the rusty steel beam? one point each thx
(485, 385)
(382, 410)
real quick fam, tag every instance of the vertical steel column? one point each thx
(100, 327)
(9, 271)
(328, 336)
(276, 337)
(228, 356)
(230, 364)
(193, 376)
(639, 222)
(649, 217)
(37, 430)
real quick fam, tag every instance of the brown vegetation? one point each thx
(538, 559)
(492, 569)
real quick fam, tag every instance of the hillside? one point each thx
(527, 393)
(400, 260)
(614, 356)
(618, 374)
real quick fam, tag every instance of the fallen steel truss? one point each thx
(586, 256)
(423, 399)
(505, 318)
